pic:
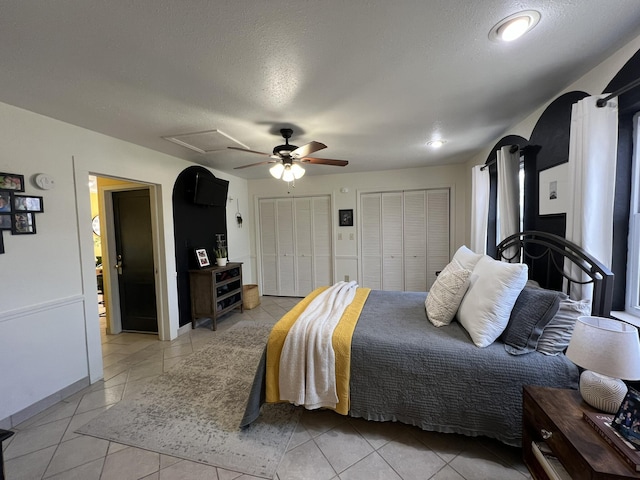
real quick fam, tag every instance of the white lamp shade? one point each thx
(297, 171)
(606, 346)
(276, 170)
(287, 176)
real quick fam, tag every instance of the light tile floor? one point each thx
(325, 446)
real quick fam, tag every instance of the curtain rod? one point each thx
(603, 101)
(513, 149)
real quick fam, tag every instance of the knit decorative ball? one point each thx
(602, 392)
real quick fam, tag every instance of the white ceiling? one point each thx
(372, 79)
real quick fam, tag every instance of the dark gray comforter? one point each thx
(405, 369)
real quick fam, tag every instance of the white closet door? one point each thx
(286, 247)
(415, 245)
(322, 246)
(268, 247)
(371, 235)
(438, 225)
(304, 246)
(392, 239)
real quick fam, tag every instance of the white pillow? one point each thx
(467, 258)
(493, 290)
(446, 294)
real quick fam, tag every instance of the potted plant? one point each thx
(221, 256)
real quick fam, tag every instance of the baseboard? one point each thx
(41, 405)
(186, 328)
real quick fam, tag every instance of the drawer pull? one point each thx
(546, 434)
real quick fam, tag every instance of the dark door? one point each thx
(134, 249)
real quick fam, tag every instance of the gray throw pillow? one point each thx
(533, 310)
(556, 335)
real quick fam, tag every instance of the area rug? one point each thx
(194, 410)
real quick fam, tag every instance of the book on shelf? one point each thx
(602, 423)
(548, 461)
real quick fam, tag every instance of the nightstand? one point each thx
(554, 416)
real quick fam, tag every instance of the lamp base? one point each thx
(602, 392)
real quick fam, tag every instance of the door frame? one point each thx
(106, 207)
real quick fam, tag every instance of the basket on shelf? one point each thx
(250, 296)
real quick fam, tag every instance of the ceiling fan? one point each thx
(287, 158)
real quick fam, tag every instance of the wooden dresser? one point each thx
(215, 291)
(554, 416)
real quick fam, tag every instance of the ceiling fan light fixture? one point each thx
(514, 26)
(435, 144)
(276, 170)
(297, 171)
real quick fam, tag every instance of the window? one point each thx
(633, 259)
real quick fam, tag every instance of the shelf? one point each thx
(206, 295)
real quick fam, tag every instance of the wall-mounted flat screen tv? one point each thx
(210, 191)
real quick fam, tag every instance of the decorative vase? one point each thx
(221, 262)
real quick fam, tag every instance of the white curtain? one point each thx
(591, 184)
(508, 207)
(479, 208)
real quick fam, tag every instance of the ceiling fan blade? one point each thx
(254, 164)
(307, 149)
(325, 161)
(250, 151)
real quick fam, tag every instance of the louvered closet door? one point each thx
(392, 239)
(286, 248)
(322, 245)
(268, 244)
(415, 246)
(304, 246)
(438, 234)
(371, 235)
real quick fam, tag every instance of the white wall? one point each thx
(346, 249)
(49, 326)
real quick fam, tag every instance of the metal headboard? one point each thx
(551, 253)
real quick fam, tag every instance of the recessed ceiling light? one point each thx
(436, 143)
(514, 26)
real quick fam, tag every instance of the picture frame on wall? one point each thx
(6, 202)
(11, 181)
(5, 221)
(27, 203)
(1, 244)
(202, 257)
(23, 223)
(553, 190)
(346, 218)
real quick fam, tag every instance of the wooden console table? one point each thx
(215, 291)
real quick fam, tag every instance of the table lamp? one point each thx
(608, 350)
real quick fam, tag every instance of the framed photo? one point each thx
(552, 194)
(12, 181)
(27, 203)
(346, 218)
(627, 419)
(6, 202)
(5, 221)
(23, 223)
(1, 244)
(203, 258)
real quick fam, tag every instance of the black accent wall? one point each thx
(195, 226)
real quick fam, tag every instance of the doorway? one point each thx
(122, 211)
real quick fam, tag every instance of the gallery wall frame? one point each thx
(5, 221)
(11, 181)
(346, 218)
(6, 201)
(23, 223)
(27, 203)
(553, 189)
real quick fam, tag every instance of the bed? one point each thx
(404, 368)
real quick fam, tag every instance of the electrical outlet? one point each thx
(339, 236)
(346, 278)
(351, 237)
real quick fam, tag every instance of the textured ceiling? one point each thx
(372, 79)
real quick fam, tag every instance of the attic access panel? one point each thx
(205, 142)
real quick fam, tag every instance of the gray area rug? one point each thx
(193, 410)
